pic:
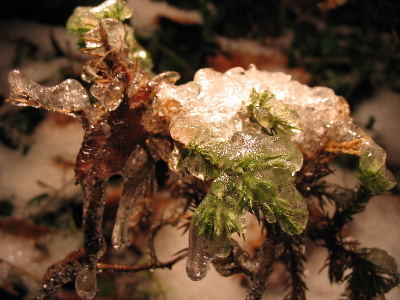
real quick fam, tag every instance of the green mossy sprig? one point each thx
(252, 172)
(86, 18)
(273, 119)
(374, 273)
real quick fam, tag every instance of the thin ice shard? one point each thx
(137, 186)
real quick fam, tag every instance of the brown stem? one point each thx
(261, 269)
(93, 210)
(258, 269)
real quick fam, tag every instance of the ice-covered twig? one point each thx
(150, 265)
(257, 269)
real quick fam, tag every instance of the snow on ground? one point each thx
(21, 175)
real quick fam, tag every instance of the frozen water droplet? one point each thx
(372, 157)
(198, 258)
(86, 284)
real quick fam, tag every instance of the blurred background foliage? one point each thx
(348, 45)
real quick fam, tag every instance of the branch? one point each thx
(60, 273)
(258, 269)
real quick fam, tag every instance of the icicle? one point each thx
(86, 284)
(128, 207)
(136, 186)
(198, 257)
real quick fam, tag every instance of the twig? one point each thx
(146, 266)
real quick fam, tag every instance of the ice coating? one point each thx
(201, 252)
(114, 32)
(212, 100)
(113, 74)
(67, 97)
(374, 173)
(264, 151)
(86, 284)
(251, 172)
(215, 98)
(241, 128)
(215, 101)
(86, 17)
